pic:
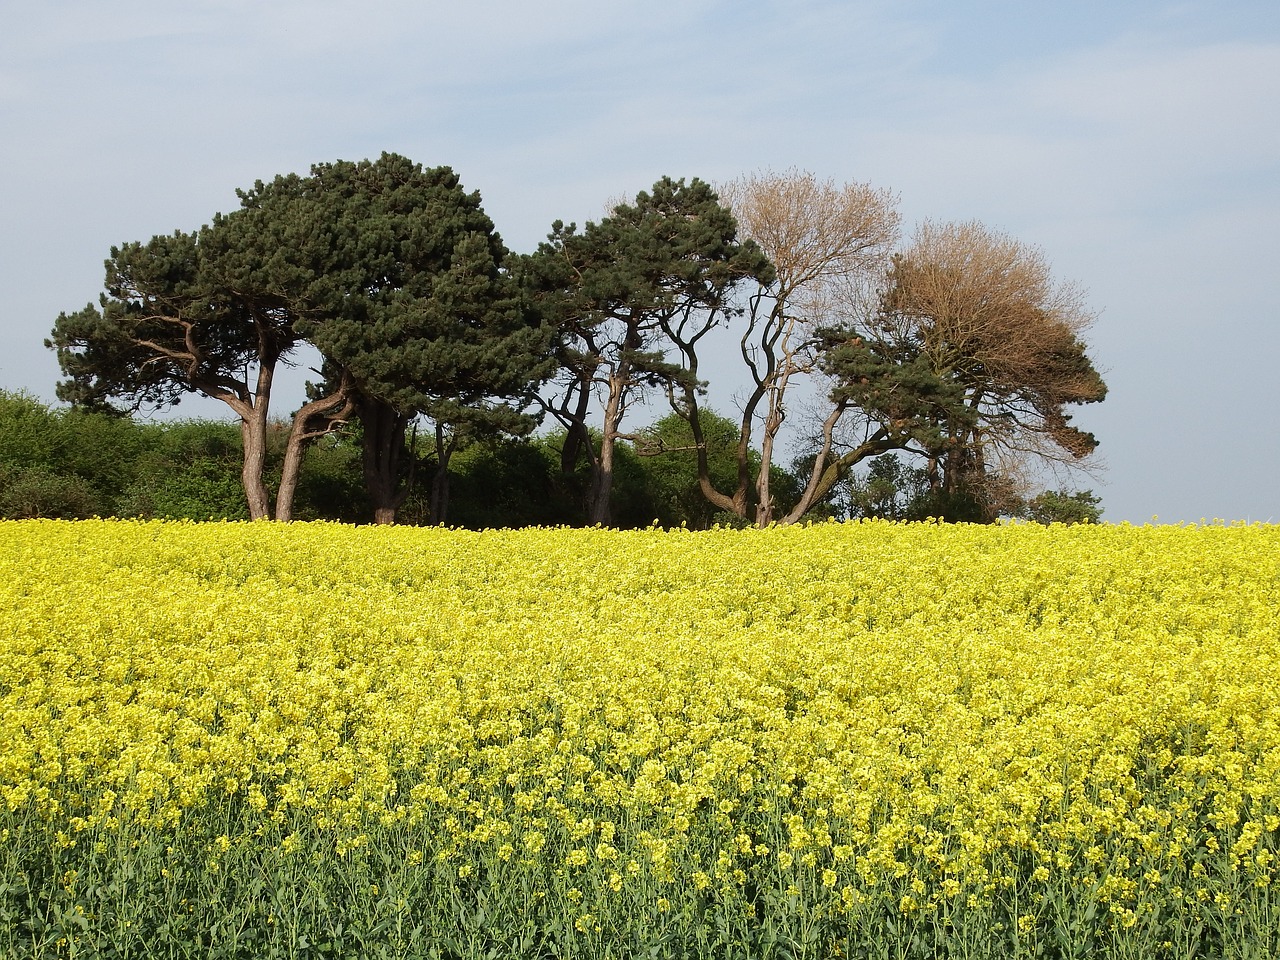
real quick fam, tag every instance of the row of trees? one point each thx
(71, 463)
(957, 351)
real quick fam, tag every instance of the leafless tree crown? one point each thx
(818, 234)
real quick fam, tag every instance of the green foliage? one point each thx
(670, 463)
(889, 490)
(74, 463)
(894, 489)
(189, 471)
(414, 300)
(518, 482)
(619, 293)
(26, 494)
(94, 447)
(164, 327)
(507, 483)
(668, 458)
(1061, 506)
(30, 433)
(408, 298)
(62, 463)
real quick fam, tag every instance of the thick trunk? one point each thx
(764, 503)
(289, 473)
(253, 431)
(601, 492)
(383, 445)
(253, 428)
(828, 470)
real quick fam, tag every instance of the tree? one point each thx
(889, 489)
(620, 293)
(416, 311)
(190, 313)
(669, 455)
(825, 241)
(979, 315)
(1062, 506)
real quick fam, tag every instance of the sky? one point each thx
(1136, 144)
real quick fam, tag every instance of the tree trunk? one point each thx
(440, 479)
(253, 431)
(439, 496)
(737, 502)
(764, 499)
(383, 445)
(253, 407)
(829, 470)
(576, 437)
(294, 449)
(254, 412)
(601, 493)
(312, 420)
(778, 338)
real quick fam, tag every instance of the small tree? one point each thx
(890, 489)
(670, 460)
(1062, 506)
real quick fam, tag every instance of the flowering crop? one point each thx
(861, 739)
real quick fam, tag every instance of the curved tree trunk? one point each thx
(312, 420)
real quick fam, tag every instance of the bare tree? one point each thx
(828, 244)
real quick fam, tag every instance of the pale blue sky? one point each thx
(1137, 144)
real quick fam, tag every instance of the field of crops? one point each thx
(841, 740)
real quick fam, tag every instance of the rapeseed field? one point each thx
(837, 740)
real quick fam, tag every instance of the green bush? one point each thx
(34, 492)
